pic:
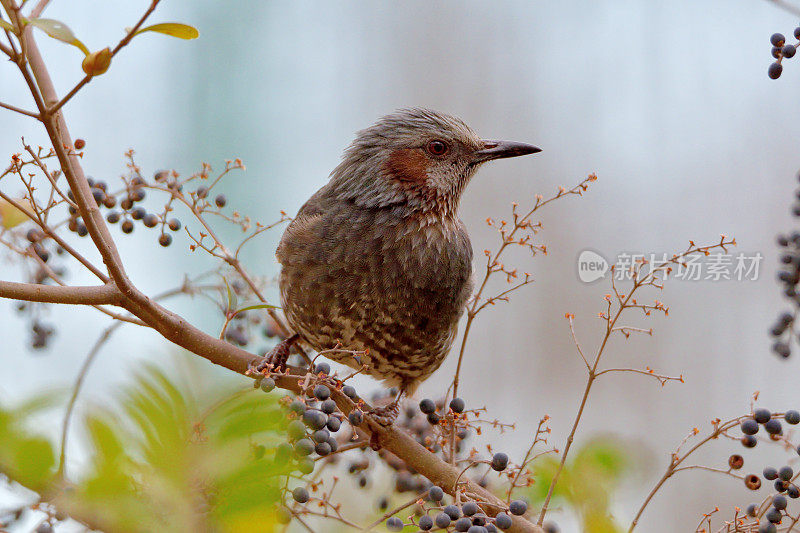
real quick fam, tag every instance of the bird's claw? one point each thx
(386, 415)
(275, 359)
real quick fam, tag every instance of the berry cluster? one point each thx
(789, 277)
(781, 50)
(784, 477)
(466, 517)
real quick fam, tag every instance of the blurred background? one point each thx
(668, 103)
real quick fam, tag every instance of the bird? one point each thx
(378, 261)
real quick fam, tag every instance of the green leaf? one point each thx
(173, 29)
(60, 31)
(6, 26)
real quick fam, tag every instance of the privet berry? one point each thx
(452, 511)
(425, 523)
(735, 462)
(499, 461)
(503, 521)
(267, 384)
(165, 239)
(322, 392)
(786, 473)
(436, 494)
(300, 495)
(762, 415)
(749, 427)
(792, 417)
(356, 417)
(427, 406)
(463, 524)
(174, 224)
(518, 507)
(442, 520)
(773, 427)
(328, 406)
(770, 473)
(394, 524)
(322, 368)
(220, 200)
(457, 405)
(315, 419)
(779, 502)
(774, 71)
(470, 508)
(304, 447)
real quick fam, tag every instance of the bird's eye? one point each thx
(437, 148)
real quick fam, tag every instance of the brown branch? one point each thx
(19, 110)
(32, 292)
(125, 40)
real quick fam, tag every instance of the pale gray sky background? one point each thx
(668, 102)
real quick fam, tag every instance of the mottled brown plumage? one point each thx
(378, 259)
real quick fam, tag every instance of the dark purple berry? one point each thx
(356, 417)
(775, 70)
(518, 507)
(499, 461)
(457, 405)
(749, 427)
(470, 508)
(779, 502)
(773, 427)
(770, 473)
(300, 495)
(452, 511)
(220, 200)
(788, 51)
(463, 524)
(792, 417)
(786, 473)
(762, 415)
(503, 521)
(427, 406)
(436, 494)
(322, 392)
(165, 239)
(442, 520)
(425, 523)
(394, 524)
(777, 39)
(315, 419)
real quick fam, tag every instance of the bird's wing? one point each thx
(301, 240)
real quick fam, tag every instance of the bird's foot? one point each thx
(275, 360)
(387, 414)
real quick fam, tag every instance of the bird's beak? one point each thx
(500, 149)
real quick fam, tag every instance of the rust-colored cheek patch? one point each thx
(409, 165)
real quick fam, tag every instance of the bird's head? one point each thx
(418, 158)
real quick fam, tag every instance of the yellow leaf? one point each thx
(60, 31)
(10, 216)
(174, 29)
